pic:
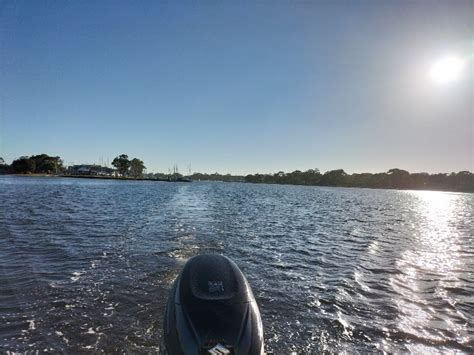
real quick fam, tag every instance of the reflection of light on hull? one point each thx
(428, 266)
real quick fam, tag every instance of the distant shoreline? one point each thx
(133, 170)
(120, 178)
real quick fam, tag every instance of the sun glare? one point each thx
(446, 70)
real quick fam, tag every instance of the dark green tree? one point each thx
(334, 178)
(122, 164)
(41, 164)
(23, 165)
(462, 181)
(3, 166)
(399, 178)
(136, 168)
(46, 164)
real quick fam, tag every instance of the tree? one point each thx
(122, 164)
(462, 181)
(41, 164)
(399, 178)
(311, 177)
(136, 168)
(3, 166)
(23, 165)
(46, 164)
(334, 178)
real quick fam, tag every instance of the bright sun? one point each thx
(446, 70)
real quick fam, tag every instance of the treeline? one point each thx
(35, 164)
(462, 181)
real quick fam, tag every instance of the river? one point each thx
(86, 265)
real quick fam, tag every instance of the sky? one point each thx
(238, 87)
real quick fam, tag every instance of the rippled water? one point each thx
(87, 265)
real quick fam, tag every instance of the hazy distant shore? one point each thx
(461, 182)
(134, 169)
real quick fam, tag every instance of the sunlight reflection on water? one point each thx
(430, 267)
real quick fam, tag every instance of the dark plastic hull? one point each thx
(211, 310)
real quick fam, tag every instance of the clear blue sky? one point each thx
(238, 87)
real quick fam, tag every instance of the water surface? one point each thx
(86, 265)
